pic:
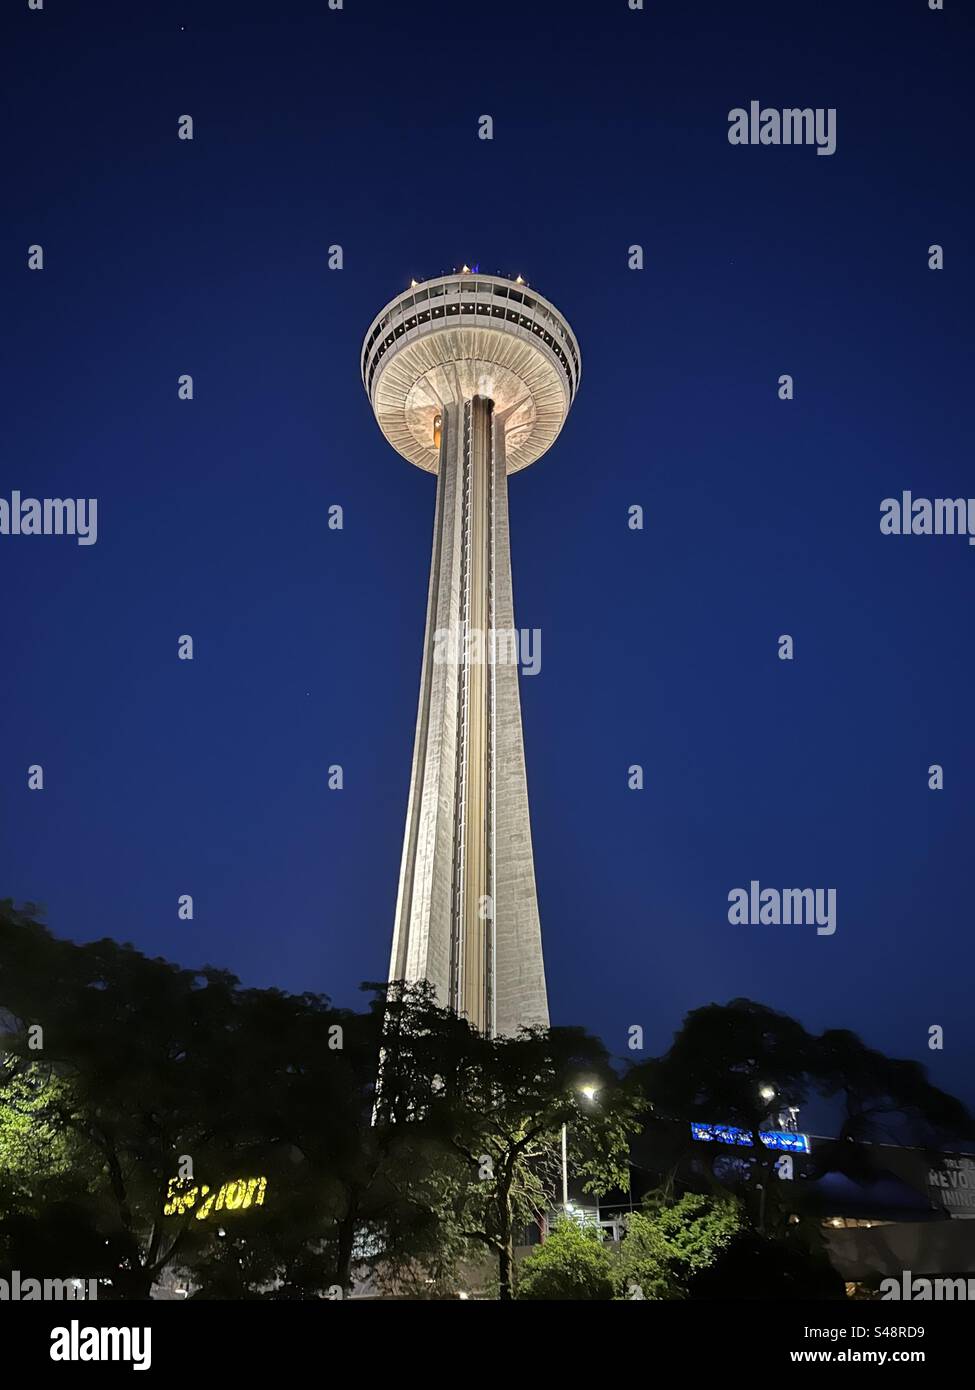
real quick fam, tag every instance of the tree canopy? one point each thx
(155, 1118)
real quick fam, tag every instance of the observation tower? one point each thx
(471, 378)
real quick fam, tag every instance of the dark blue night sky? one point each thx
(659, 647)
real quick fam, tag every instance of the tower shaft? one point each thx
(470, 377)
(467, 911)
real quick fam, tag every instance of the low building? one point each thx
(883, 1208)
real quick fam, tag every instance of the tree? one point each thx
(113, 1046)
(884, 1097)
(47, 1179)
(742, 1064)
(34, 1149)
(572, 1263)
(665, 1246)
(147, 1066)
(495, 1108)
(756, 1266)
(151, 1071)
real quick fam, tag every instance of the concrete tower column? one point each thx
(464, 401)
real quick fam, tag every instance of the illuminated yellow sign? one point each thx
(236, 1195)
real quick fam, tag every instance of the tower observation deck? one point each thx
(470, 377)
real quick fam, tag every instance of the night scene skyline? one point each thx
(659, 647)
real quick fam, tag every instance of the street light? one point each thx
(565, 1169)
(590, 1093)
(768, 1094)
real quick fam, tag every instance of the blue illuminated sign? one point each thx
(771, 1138)
(722, 1134)
(785, 1139)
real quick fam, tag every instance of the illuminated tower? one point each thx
(471, 378)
